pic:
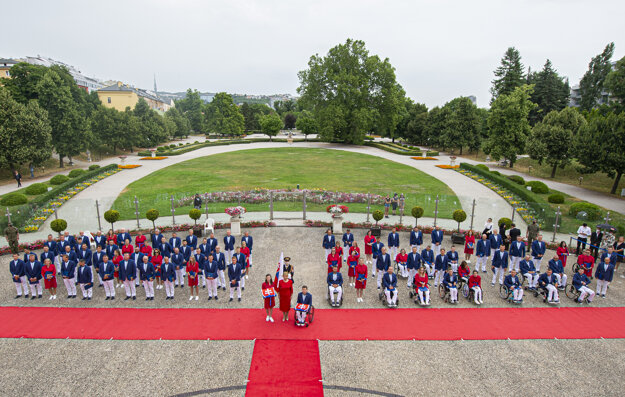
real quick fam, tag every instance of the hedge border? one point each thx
(390, 149)
(193, 147)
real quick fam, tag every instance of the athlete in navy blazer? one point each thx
(416, 237)
(191, 240)
(234, 276)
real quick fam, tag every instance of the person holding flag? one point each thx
(269, 296)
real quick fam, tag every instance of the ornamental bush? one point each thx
(59, 179)
(12, 199)
(58, 225)
(152, 215)
(111, 217)
(538, 187)
(505, 221)
(496, 173)
(76, 173)
(417, 212)
(593, 211)
(517, 179)
(378, 215)
(459, 216)
(195, 214)
(556, 198)
(482, 167)
(93, 167)
(36, 188)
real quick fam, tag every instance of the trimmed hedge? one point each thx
(189, 148)
(506, 221)
(432, 153)
(496, 173)
(12, 199)
(556, 198)
(59, 179)
(483, 167)
(538, 187)
(93, 167)
(76, 173)
(517, 179)
(593, 211)
(391, 149)
(36, 189)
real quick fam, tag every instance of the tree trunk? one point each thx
(616, 182)
(460, 151)
(60, 161)
(511, 163)
(553, 170)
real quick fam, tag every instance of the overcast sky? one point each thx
(440, 49)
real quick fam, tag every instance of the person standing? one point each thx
(532, 232)
(249, 243)
(469, 245)
(382, 264)
(68, 269)
(269, 295)
(604, 275)
(393, 243)
(517, 252)
(285, 290)
(500, 264)
(495, 242)
(482, 252)
(348, 242)
(48, 272)
(586, 262)
(437, 240)
(34, 275)
(193, 273)
(211, 270)
(107, 274)
(563, 253)
(234, 276)
(12, 235)
(18, 178)
(229, 242)
(440, 265)
(128, 273)
(191, 240)
(146, 273)
(421, 284)
(619, 249)
(85, 280)
(220, 258)
(413, 264)
(328, 242)
(488, 227)
(595, 242)
(369, 241)
(352, 262)
(538, 251)
(18, 274)
(502, 232)
(177, 259)
(416, 238)
(197, 202)
(169, 277)
(361, 279)
(395, 203)
(387, 205)
(583, 232)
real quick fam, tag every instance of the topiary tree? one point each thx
(377, 216)
(505, 221)
(538, 187)
(36, 188)
(459, 216)
(111, 217)
(59, 179)
(76, 173)
(517, 179)
(417, 212)
(58, 225)
(152, 215)
(195, 214)
(556, 198)
(12, 199)
(593, 210)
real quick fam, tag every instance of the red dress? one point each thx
(271, 301)
(334, 260)
(157, 261)
(116, 261)
(285, 289)
(246, 251)
(352, 263)
(339, 251)
(128, 249)
(469, 240)
(586, 261)
(51, 269)
(352, 249)
(140, 241)
(195, 268)
(368, 239)
(361, 276)
(109, 238)
(563, 254)
(146, 250)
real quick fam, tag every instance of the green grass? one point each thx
(285, 168)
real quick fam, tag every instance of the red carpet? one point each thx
(329, 324)
(279, 365)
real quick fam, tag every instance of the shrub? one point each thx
(482, 167)
(378, 215)
(181, 144)
(517, 179)
(556, 198)
(93, 167)
(196, 142)
(538, 187)
(593, 211)
(58, 225)
(417, 212)
(160, 149)
(173, 145)
(12, 199)
(459, 216)
(152, 215)
(36, 188)
(111, 217)
(195, 214)
(59, 179)
(505, 221)
(434, 153)
(76, 173)
(496, 173)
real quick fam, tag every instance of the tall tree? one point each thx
(550, 139)
(191, 106)
(289, 121)
(347, 91)
(462, 124)
(551, 92)
(508, 125)
(153, 130)
(106, 126)
(223, 116)
(591, 85)
(25, 134)
(307, 124)
(412, 126)
(283, 107)
(601, 146)
(435, 127)
(615, 84)
(509, 75)
(24, 80)
(270, 124)
(251, 113)
(180, 126)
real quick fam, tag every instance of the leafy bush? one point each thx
(75, 173)
(459, 216)
(394, 149)
(12, 199)
(58, 225)
(556, 198)
(160, 149)
(417, 212)
(496, 173)
(111, 217)
(482, 167)
(505, 221)
(152, 215)
(173, 145)
(378, 215)
(180, 144)
(93, 167)
(195, 214)
(517, 179)
(538, 187)
(59, 179)
(593, 211)
(36, 188)
(434, 153)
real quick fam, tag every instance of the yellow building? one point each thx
(120, 96)
(5, 66)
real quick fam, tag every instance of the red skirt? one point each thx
(351, 272)
(116, 274)
(468, 250)
(270, 302)
(193, 280)
(361, 284)
(50, 283)
(285, 303)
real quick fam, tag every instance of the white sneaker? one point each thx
(247, 277)
(271, 319)
(51, 297)
(190, 298)
(267, 318)
(197, 297)
(54, 297)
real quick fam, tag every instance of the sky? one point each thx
(440, 49)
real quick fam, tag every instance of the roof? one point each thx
(123, 87)
(8, 61)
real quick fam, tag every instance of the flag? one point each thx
(280, 268)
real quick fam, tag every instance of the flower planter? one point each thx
(337, 224)
(235, 225)
(457, 238)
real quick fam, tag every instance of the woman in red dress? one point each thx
(110, 235)
(128, 248)
(285, 289)
(116, 259)
(354, 248)
(563, 253)
(369, 240)
(421, 283)
(193, 270)
(146, 250)
(334, 259)
(140, 240)
(246, 251)
(48, 272)
(270, 301)
(469, 245)
(402, 260)
(157, 262)
(339, 251)
(361, 279)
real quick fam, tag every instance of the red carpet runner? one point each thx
(279, 365)
(329, 324)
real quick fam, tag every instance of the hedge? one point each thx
(556, 198)
(505, 221)
(36, 189)
(593, 211)
(12, 199)
(390, 149)
(59, 179)
(93, 167)
(431, 153)
(538, 187)
(483, 167)
(76, 173)
(517, 179)
(190, 148)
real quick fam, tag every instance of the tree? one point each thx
(69, 128)
(413, 123)
(223, 116)
(462, 124)
(289, 121)
(591, 85)
(24, 80)
(509, 75)
(251, 113)
(348, 91)
(191, 107)
(508, 126)
(551, 92)
(615, 84)
(283, 107)
(549, 140)
(601, 146)
(180, 125)
(152, 129)
(105, 124)
(270, 124)
(435, 126)
(25, 134)
(111, 216)
(306, 123)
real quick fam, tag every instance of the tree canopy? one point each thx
(270, 124)
(551, 92)
(509, 75)
(223, 116)
(591, 85)
(615, 84)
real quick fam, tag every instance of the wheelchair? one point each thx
(544, 293)
(330, 301)
(573, 294)
(444, 294)
(467, 292)
(397, 270)
(506, 294)
(310, 316)
(414, 295)
(382, 297)
(576, 268)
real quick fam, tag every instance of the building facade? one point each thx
(120, 96)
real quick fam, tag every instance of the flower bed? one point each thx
(235, 211)
(447, 166)
(154, 158)
(128, 166)
(423, 158)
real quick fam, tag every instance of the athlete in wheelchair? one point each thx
(579, 291)
(473, 288)
(548, 284)
(421, 290)
(448, 289)
(389, 286)
(511, 289)
(304, 310)
(335, 287)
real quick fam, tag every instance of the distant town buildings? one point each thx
(120, 96)
(5, 66)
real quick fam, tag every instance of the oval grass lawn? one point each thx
(285, 168)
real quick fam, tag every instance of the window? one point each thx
(7, 72)
(109, 100)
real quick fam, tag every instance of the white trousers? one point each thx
(454, 266)
(436, 249)
(70, 286)
(380, 276)
(492, 253)
(221, 282)
(203, 280)
(149, 288)
(552, 293)
(429, 268)
(393, 252)
(21, 285)
(517, 294)
(602, 287)
(238, 291)
(229, 254)
(35, 289)
(532, 279)
(328, 252)
(411, 274)
(391, 296)
(86, 293)
(100, 279)
(515, 260)
(499, 271)
(453, 294)
(179, 276)
(438, 277)
(561, 279)
(109, 288)
(169, 288)
(138, 276)
(301, 316)
(424, 296)
(477, 294)
(537, 262)
(242, 282)
(339, 293)
(212, 286)
(584, 292)
(481, 261)
(403, 270)
(129, 286)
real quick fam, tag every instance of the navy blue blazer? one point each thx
(166, 249)
(241, 260)
(137, 257)
(110, 250)
(146, 273)
(441, 263)
(613, 257)
(578, 279)
(517, 249)
(331, 280)
(414, 261)
(205, 248)
(234, 274)
(389, 280)
(191, 241)
(449, 280)
(168, 272)
(500, 260)
(556, 266)
(84, 240)
(83, 274)
(52, 246)
(127, 270)
(452, 256)
(495, 241)
(67, 269)
(416, 238)
(96, 258)
(538, 248)
(17, 268)
(249, 242)
(383, 262)
(437, 236)
(526, 266)
(511, 282)
(348, 239)
(212, 243)
(604, 274)
(100, 241)
(200, 259)
(304, 299)
(544, 280)
(107, 270)
(177, 260)
(376, 248)
(328, 241)
(482, 248)
(229, 242)
(393, 240)
(33, 270)
(210, 269)
(221, 260)
(186, 252)
(122, 237)
(427, 256)
(86, 255)
(71, 255)
(156, 239)
(175, 242)
(47, 255)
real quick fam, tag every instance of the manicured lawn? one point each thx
(285, 168)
